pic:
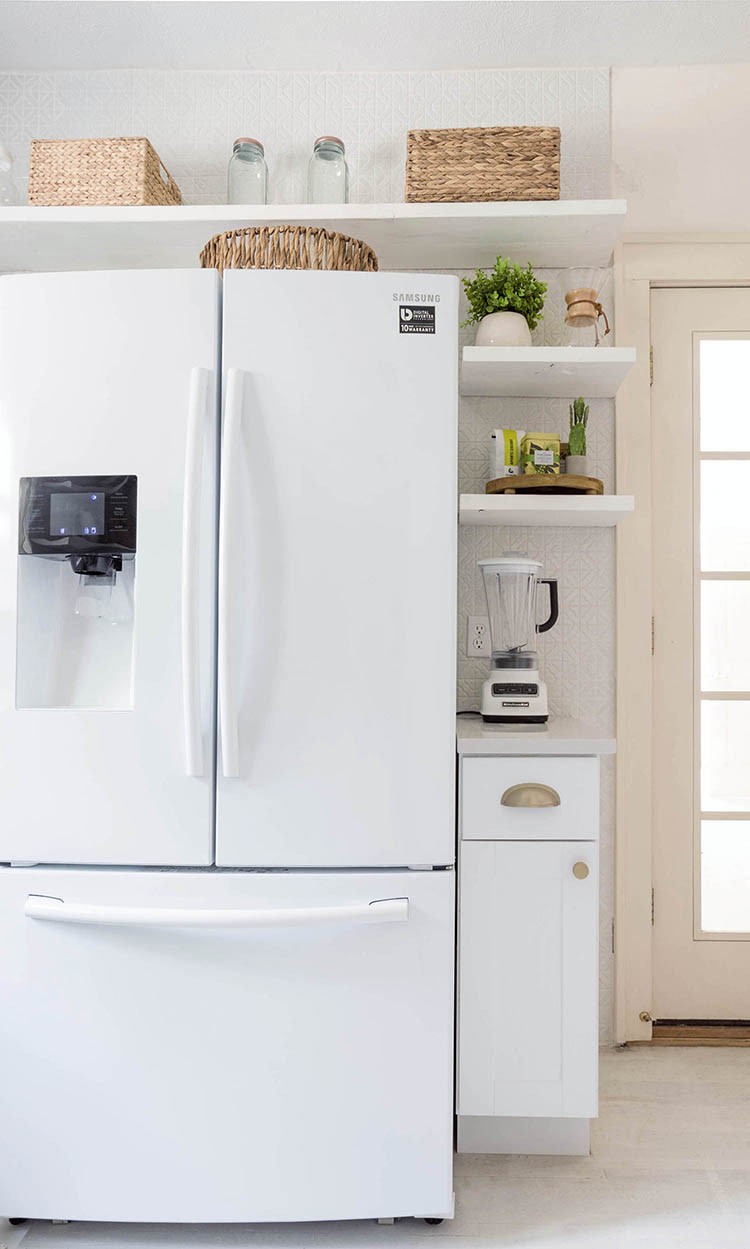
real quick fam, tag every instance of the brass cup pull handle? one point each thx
(530, 794)
(580, 870)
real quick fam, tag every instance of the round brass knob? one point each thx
(580, 870)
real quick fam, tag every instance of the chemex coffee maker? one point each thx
(514, 693)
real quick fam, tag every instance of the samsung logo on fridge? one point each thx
(416, 299)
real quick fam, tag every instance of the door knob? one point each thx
(531, 794)
(580, 870)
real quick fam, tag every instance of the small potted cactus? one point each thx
(577, 461)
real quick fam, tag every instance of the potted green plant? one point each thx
(577, 461)
(505, 303)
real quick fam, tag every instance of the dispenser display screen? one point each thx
(65, 516)
(74, 514)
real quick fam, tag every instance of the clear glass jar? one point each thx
(248, 173)
(8, 190)
(328, 173)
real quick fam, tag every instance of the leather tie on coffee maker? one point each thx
(599, 311)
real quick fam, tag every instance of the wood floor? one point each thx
(670, 1169)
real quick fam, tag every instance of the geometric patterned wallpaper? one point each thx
(192, 118)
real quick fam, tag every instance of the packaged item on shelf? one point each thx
(540, 453)
(505, 453)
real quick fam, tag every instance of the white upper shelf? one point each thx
(595, 372)
(551, 234)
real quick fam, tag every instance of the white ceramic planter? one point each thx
(503, 329)
(578, 465)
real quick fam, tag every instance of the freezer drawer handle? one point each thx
(532, 794)
(230, 463)
(380, 911)
(191, 505)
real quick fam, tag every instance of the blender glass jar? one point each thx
(510, 587)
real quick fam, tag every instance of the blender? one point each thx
(514, 693)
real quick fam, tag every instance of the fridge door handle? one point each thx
(229, 731)
(57, 910)
(200, 389)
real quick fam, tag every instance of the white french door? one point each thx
(107, 723)
(701, 666)
(337, 573)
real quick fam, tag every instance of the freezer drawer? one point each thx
(220, 1046)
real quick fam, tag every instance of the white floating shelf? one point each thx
(595, 372)
(579, 510)
(551, 234)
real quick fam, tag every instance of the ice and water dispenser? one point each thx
(76, 592)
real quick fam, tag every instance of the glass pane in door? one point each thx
(725, 756)
(725, 646)
(725, 516)
(725, 875)
(724, 394)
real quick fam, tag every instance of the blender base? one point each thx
(515, 719)
(520, 698)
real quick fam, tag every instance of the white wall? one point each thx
(192, 117)
(680, 148)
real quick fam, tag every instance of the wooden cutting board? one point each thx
(545, 483)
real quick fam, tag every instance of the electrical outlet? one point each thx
(478, 636)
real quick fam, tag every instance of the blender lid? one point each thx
(510, 561)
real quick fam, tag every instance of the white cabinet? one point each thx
(528, 949)
(528, 990)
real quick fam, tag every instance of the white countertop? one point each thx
(557, 737)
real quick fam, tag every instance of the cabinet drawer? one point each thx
(489, 813)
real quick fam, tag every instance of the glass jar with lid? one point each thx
(248, 173)
(328, 173)
(8, 191)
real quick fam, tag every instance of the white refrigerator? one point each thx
(227, 652)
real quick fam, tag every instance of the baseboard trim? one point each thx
(692, 1032)
(487, 1134)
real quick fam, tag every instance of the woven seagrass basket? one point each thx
(98, 171)
(485, 163)
(288, 247)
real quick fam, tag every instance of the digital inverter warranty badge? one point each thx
(416, 318)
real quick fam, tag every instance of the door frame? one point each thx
(641, 264)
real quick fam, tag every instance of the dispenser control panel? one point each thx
(75, 515)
